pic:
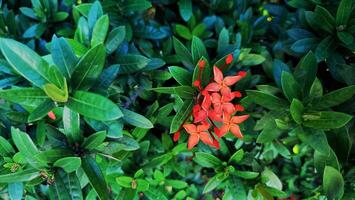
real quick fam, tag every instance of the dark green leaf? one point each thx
(185, 8)
(266, 100)
(290, 86)
(325, 119)
(336, 97)
(344, 12)
(71, 123)
(41, 111)
(115, 38)
(68, 164)
(306, 71)
(131, 63)
(94, 140)
(95, 176)
(65, 187)
(198, 49)
(89, 68)
(333, 183)
(181, 75)
(296, 110)
(181, 115)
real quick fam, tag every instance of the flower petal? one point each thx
(226, 91)
(223, 130)
(200, 116)
(236, 131)
(231, 80)
(206, 138)
(206, 103)
(212, 87)
(193, 140)
(215, 116)
(176, 136)
(228, 108)
(190, 128)
(203, 127)
(216, 144)
(218, 75)
(239, 119)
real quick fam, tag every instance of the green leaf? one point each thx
(185, 92)
(6, 148)
(333, 183)
(314, 138)
(131, 63)
(346, 37)
(198, 49)
(89, 68)
(181, 115)
(306, 71)
(15, 190)
(55, 93)
(213, 183)
(207, 160)
(94, 106)
(177, 184)
(325, 119)
(223, 41)
(323, 15)
(126, 193)
(296, 110)
(266, 100)
(290, 86)
(100, 30)
(124, 181)
(135, 5)
(94, 140)
(237, 156)
(68, 164)
(181, 75)
(136, 119)
(41, 111)
(252, 60)
(65, 187)
(95, 176)
(63, 56)
(235, 189)
(71, 123)
(246, 174)
(20, 176)
(115, 38)
(271, 179)
(185, 8)
(336, 97)
(26, 146)
(343, 12)
(26, 62)
(183, 53)
(304, 45)
(183, 31)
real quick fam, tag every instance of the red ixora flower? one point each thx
(213, 104)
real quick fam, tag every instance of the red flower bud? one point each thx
(201, 63)
(197, 83)
(51, 115)
(215, 144)
(229, 59)
(239, 107)
(237, 94)
(176, 136)
(242, 73)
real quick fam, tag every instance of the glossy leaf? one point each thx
(100, 30)
(94, 106)
(68, 164)
(71, 123)
(89, 68)
(267, 100)
(333, 183)
(136, 119)
(181, 115)
(115, 38)
(94, 140)
(65, 187)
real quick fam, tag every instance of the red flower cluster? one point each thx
(214, 105)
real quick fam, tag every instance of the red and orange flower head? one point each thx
(214, 105)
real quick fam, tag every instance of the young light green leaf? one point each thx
(94, 106)
(20, 176)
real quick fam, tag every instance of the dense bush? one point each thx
(177, 99)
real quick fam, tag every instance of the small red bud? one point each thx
(242, 73)
(201, 63)
(176, 136)
(239, 107)
(237, 94)
(215, 144)
(51, 115)
(229, 59)
(197, 83)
